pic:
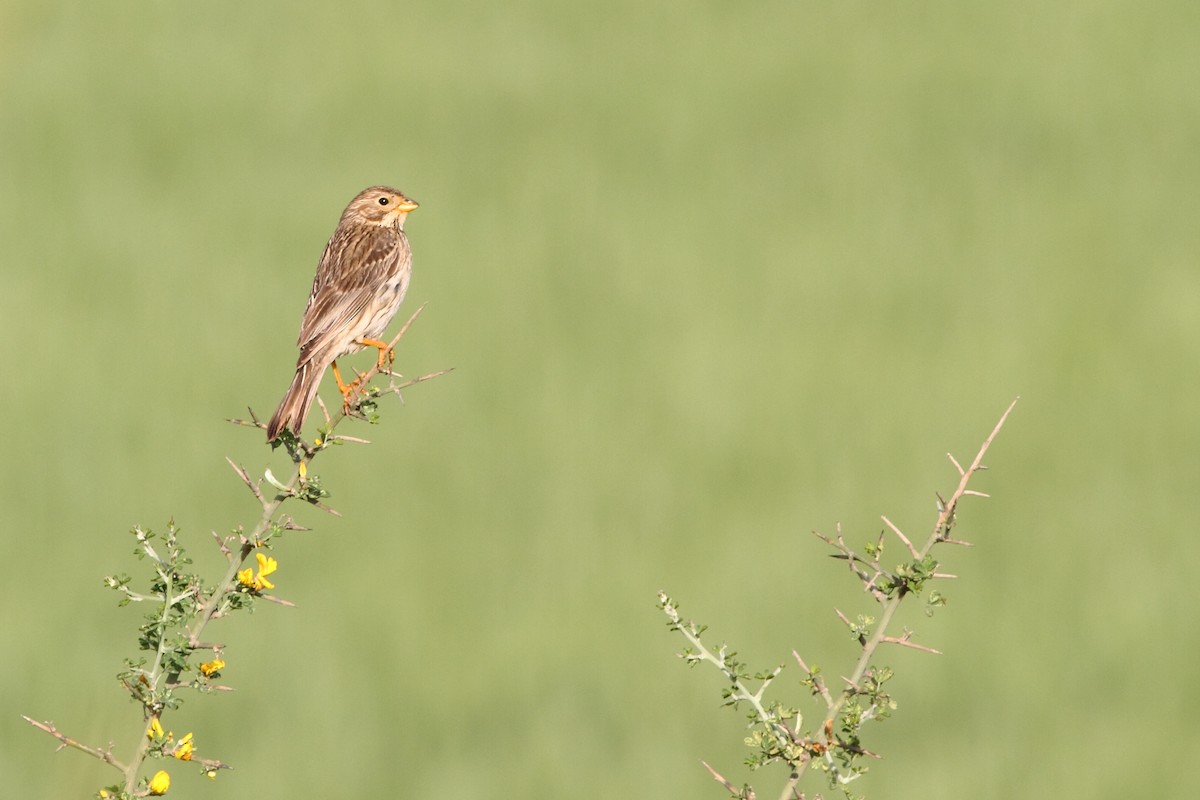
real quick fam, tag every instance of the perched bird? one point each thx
(359, 286)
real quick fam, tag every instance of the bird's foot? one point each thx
(386, 357)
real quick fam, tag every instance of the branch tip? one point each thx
(902, 537)
(719, 779)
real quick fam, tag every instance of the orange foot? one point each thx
(386, 353)
(348, 390)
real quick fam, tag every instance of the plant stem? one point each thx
(212, 606)
(940, 532)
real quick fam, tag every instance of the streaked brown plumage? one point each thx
(359, 286)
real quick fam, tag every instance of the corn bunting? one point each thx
(359, 286)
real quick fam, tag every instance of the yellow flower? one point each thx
(210, 668)
(266, 565)
(102, 794)
(303, 470)
(156, 729)
(212, 774)
(160, 783)
(183, 750)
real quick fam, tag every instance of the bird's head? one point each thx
(379, 205)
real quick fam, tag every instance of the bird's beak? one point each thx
(407, 205)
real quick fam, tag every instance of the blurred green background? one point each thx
(711, 276)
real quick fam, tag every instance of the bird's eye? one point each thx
(383, 201)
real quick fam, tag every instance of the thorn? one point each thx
(324, 411)
(404, 329)
(353, 439)
(278, 600)
(289, 524)
(241, 473)
(245, 476)
(328, 510)
(904, 642)
(423, 378)
(903, 538)
(875, 591)
(224, 547)
(717, 777)
(957, 466)
(253, 422)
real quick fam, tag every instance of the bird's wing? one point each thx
(352, 270)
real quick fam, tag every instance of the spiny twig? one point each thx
(104, 755)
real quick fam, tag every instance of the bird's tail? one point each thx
(296, 402)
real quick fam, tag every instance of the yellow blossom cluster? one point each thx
(266, 565)
(210, 668)
(183, 749)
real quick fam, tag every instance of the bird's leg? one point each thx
(347, 389)
(386, 357)
(386, 353)
(343, 387)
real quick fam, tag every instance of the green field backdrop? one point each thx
(711, 276)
